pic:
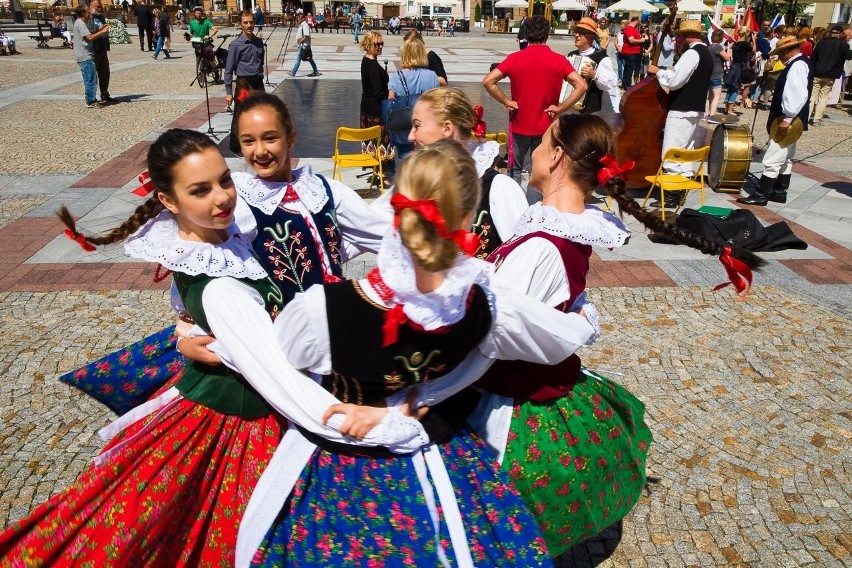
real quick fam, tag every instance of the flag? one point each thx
(751, 21)
(711, 26)
(778, 20)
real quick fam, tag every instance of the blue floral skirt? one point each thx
(358, 511)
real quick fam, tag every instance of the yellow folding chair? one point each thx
(677, 182)
(372, 160)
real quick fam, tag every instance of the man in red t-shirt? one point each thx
(631, 52)
(535, 76)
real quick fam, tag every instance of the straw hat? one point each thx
(690, 27)
(785, 43)
(586, 25)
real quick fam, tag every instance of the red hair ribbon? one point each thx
(80, 239)
(146, 187)
(242, 94)
(738, 271)
(428, 209)
(479, 128)
(613, 169)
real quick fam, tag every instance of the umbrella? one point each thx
(511, 4)
(632, 6)
(693, 6)
(568, 5)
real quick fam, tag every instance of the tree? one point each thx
(477, 12)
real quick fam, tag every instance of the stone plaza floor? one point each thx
(749, 402)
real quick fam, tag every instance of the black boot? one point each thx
(761, 194)
(779, 188)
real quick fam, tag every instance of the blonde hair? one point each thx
(451, 104)
(445, 172)
(413, 54)
(743, 31)
(369, 41)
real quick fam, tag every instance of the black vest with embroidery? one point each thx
(775, 107)
(216, 386)
(286, 247)
(692, 97)
(483, 224)
(594, 95)
(364, 372)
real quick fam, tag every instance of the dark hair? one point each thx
(538, 28)
(586, 139)
(259, 99)
(163, 155)
(246, 13)
(80, 10)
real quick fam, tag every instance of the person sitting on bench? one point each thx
(59, 29)
(7, 44)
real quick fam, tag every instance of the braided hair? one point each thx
(163, 157)
(586, 140)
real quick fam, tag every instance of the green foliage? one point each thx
(117, 32)
(477, 12)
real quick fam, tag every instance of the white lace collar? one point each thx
(444, 306)
(158, 241)
(591, 227)
(483, 154)
(267, 195)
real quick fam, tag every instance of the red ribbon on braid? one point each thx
(738, 271)
(613, 169)
(146, 187)
(479, 128)
(80, 239)
(428, 209)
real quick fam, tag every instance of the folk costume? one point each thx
(573, 442)
(302, 233)
(605, 80)
(443, 504)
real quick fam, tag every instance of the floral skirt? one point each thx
(172, 493)
(128, 377)
(386, 150)
(579, 461)
(354, 511)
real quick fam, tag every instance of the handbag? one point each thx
(397, 113)
(307, 53)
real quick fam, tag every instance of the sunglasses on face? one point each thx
(380, 44)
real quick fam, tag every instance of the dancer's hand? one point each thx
(359, 419)
(195, 349)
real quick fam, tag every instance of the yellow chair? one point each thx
(500, 137)
(677, 182)
(373, 160)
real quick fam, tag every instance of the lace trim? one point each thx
(158, 241)
(267, 195)
(444, 306)
(592, 227)
(484, 154)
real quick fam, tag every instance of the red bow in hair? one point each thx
(146, 187)
(80, 239)
(613, 169)
(242, 94)
(428, 209)
(738, 271)
(479, 128)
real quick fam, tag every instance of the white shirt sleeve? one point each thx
(676, 78)
(607, 81)
(507, 202)
(301, 331)
(795, 90)
(535, 268)
(362, 227)
(242, 327)
(244, 219)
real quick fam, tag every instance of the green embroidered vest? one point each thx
(216, 386)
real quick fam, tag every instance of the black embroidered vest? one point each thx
(483, 224)
(594, 95)
(286, 247)
(692, 97)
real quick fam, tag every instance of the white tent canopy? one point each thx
(511, 4)
(568, 5)
(693, 6)
(632, 6)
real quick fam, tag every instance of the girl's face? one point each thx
(425, 128)
(265, 145)
(204, 196)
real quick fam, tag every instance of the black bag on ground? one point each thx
(741, 228)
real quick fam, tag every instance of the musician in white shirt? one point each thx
(602, 75)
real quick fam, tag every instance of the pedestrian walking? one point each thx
(303, 43)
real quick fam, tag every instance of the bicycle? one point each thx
(204, 70)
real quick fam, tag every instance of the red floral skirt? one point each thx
(173, 493)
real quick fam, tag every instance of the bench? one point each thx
(43, 39)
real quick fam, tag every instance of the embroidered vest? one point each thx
(775, 107)
(364, 372)
(532, 381)
(287, 249)
(594, 95)
(693, 96)
(483, 224)
(216, 386)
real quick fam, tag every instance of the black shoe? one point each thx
(316, 74)
(759, 197)
(782, 182)
(107, 99)
(778, 196)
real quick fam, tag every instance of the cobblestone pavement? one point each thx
(749, 402)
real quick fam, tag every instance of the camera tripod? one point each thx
(203, 76)
(286, 42)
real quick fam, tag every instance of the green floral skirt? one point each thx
(579, 461)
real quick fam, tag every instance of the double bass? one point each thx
(643, 111)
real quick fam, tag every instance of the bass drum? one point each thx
(730, 158)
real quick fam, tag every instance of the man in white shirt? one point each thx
(600, 76)
(394, 25)
(790, 101)
(303, 43)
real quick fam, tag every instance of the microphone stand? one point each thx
(286, 41)
(266, 54)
